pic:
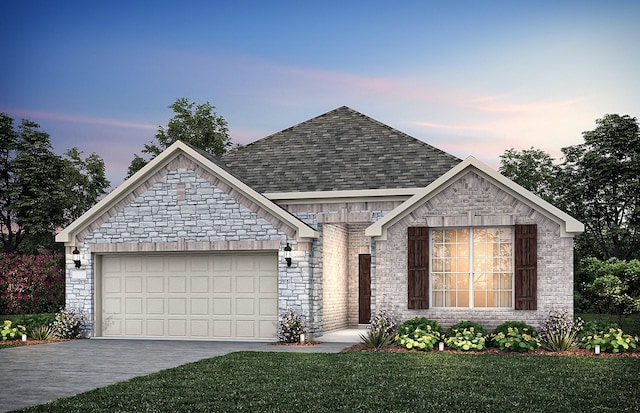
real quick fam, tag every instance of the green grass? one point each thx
(374, 382)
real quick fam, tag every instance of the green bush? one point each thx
(613, 340)
(68, 324)
(418, 333)
(515, 336)
(11, 333)
(466, 336)
(376, 338)
(560, 332)
(33, 321)
(292, 325)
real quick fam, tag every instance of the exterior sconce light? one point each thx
(287, 254)
(76, 257)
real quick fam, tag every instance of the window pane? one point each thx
(463, 298)
(480, 298)
(438, 251)
(506, 281)
(438, 282)
(462, 250)
(437, 264)
(463, 264)
(463, 281)
(505, 299)
(463, 236)
(438, 298)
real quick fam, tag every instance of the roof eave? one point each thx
(569, 225)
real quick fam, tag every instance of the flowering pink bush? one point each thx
(31, 283)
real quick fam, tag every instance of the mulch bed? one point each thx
(18, 343)
(491, 350)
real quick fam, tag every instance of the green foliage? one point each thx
(34, 321)
(533, 169)
(31, 283)
(68, 323)
(376, 338)
(601, 188)
(12, 333)
(39, 190)
(597, 183)
(612, 286)
(466, 336)
(418, 333)
(42, 333)
(201, 128)
(515, 336)
(560, 332)
(372, 382)
(613, 340)
(292, 324)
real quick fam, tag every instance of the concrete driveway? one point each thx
(37, 374)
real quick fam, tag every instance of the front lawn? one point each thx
(374, 382)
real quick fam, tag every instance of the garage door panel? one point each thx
(245, 306)
(221, 284)
(155, 284)
(133, 327)
(177, 306)
(199, 284)
(200, 306)
(155, 305)
(245, 285)
(155, 327)
(222, 306)
(177, 284)
(133, 305)
(177, 327)
(133, 285)
(218, 295)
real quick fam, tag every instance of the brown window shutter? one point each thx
(526, 267)
(418, 265)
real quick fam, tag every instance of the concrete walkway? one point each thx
(37, 374)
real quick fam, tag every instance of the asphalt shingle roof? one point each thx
(339, 150)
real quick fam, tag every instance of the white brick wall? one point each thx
(473, 200)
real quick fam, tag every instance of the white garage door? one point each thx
(226, 295)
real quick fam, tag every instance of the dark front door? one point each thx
(364, 288)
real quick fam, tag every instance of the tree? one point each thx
(598, 183)
(85, 181)
(601, 188)
(39, 190)
(533, 169)
(201, 128)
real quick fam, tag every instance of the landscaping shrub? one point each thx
(292, 324)
(515, 336)
(11, 333)
(33, 321)
(560, 332)
(68, 323)
(42, 333)
(381, 332)
(466, 336)
(376, 338)
(595, 327)
(385, 320)
(613, 340)
(418, 333)
(31, 283)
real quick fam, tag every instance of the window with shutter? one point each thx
(526, 266)
(418, 265)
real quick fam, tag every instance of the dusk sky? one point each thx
(470, 77)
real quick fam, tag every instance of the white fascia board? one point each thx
(394, 194)
(67, 234)
(569, 225)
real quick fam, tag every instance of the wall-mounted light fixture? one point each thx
(287, 254)
(76, 257)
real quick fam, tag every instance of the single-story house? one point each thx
(337, 217)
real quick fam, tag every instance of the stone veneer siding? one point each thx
(163, 218)
(474, 201)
